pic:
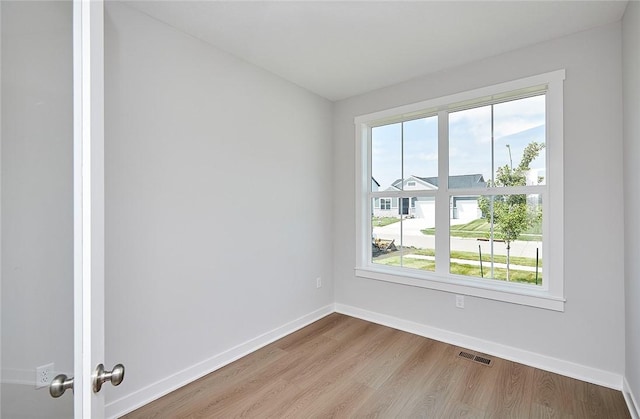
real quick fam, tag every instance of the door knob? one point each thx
(59, 385)
(115, 376)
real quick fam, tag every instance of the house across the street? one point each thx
(461, 208)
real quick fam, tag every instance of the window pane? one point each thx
(420, 154)
(408, 241)
(504, 242)
(470, 148)
(519, 124)
(502, 144)
(386, 157)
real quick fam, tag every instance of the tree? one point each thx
(511, 215)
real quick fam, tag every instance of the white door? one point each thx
(52, 200)
(88, 21)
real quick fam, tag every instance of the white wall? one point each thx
(631, 83)
(0, 208)
(196, 141)
(588, 338)
(37, 204)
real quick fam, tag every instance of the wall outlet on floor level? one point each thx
(318, 282)
(44, 375)
(460, 301)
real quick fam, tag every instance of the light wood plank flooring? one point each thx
(343, 367)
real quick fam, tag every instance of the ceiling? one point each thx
(339, 49)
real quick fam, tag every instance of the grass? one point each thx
(455, 254)
(462, 269)
(383, 221)
(498, 273)
(480, 229)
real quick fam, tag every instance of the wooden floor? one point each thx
(344, 367)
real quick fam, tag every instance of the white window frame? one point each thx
(550, 295)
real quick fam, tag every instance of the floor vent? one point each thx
(482, 360)
(476, 358)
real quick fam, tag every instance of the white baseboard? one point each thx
(156, 390)
(632, 403)
(559, 366)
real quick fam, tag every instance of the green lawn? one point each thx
(463, 269)
(455, 254)
(383, 221)
(480, 228)
(498, 273)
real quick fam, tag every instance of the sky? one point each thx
(515, 123)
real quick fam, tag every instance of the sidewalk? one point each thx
(412, 236)
(477, 263)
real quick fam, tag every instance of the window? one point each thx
(477, 181)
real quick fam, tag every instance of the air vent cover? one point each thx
(476, 358)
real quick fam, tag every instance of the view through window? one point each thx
(486, 198)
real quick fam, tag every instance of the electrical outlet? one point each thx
(460, 301)
(44, 375)
(318, 282)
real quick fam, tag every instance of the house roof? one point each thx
(455, 181)
(460, 181)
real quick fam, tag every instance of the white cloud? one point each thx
(427, 156)
(470, 139)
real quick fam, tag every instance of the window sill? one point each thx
(511, 293)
